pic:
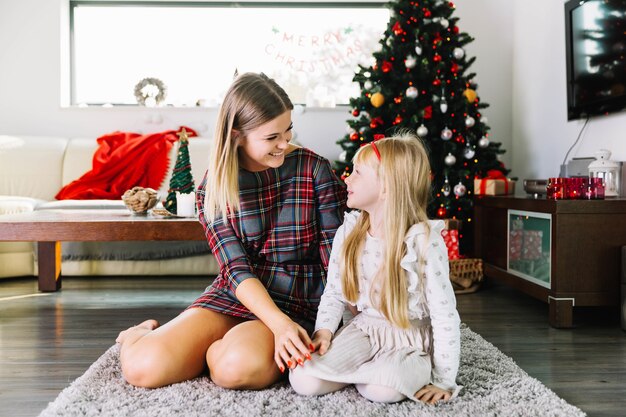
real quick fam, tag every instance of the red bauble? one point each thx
(354, 136)
(454, 67)
(427, 13)
(437, 58)
(397, 100)
(455, 30)
(376, 122)
(397, 120)
(436, 82)
(386, 66)
(442, 213)
(356, 112)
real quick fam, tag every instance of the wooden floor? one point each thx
(48, 340)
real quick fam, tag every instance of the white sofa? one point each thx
(34, 169)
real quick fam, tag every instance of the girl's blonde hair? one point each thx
(251, 101)
(404, 172)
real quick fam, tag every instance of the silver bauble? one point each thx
(446, 134)
(483, 142)
(410, 61)
(422, 131)
(469, 152)
(368, 85)
(444, 23)
(418, 49)
(470, 121)
(445, 189)
(343, 156)
(449, 160)
(458, 53)
(443, 106)
(411, 92)
(460, 189)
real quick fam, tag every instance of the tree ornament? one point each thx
(343, 156)
(443, 105)
(397, 120)
(397, 29)
(376, 122)
(483, 142)
(356, 112)
(469, 121)
(460, 189)
(446, 134)
(422, 131)
(363, 129)
(436, 82)
(386, 66)
(449, 160)
(484, 120)
(470, 95)
(377, 100)
(469, 151)
(446, 188)
(410, 61)
(437, 58)
(442, 213)
(411, 92)
(368, 85)
(458, 53)
(444, 23)
(428, 112)
(354, 136)
(418, 49)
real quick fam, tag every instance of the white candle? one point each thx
(185, 204)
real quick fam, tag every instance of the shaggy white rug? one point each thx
(493, 386)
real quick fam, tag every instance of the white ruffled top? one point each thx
(432, 296)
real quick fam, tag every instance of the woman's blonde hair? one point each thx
(251, 101)
(404, 172)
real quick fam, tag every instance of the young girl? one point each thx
(389, 265)
(270, 211)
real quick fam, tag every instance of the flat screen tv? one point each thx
(595, 36)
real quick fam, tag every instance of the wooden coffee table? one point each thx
(51, 227)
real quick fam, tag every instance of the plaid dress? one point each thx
(282, 235)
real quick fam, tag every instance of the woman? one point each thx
(270, 210)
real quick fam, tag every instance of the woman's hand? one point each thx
(321, 340)
(432, 394)
(292, 345)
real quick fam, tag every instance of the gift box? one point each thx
(490, 186)
(451, 239)
(525, 245)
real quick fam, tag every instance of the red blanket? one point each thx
(124, 160)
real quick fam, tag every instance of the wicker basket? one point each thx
(466, 274)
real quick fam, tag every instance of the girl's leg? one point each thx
(380, 393)
(156, 356)
(244, 357)
(309, 385)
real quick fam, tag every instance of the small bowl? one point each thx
(536, 186)
(140, 200)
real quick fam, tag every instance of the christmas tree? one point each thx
(420, 82)
(182, 180)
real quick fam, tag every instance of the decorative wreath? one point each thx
(150, 88)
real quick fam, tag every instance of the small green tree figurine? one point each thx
(182, 180)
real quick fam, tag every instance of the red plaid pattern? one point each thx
(282, 235)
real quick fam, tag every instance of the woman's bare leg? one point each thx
(244, 357)
(174, 352)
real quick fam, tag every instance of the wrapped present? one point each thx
(525, 245)
(495, 183)
(516, 243)
(451, 239)
(466, 275)
(452, 224)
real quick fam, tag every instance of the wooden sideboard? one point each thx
(584, 251)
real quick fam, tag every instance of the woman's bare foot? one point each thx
(140, 329)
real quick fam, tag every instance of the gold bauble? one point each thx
(377, 100)
(470, 95)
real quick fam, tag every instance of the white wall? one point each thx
(541, 133)
(31, 34)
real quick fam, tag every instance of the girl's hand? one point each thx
(321, 340)
(431, 394)
(292, 345)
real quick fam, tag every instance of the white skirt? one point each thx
(371, 350)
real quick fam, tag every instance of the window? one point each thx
(194, 48)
